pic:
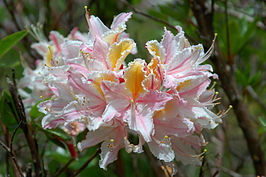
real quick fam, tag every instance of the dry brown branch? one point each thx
(87, 162)
(64, 167)
(26, 128)
(154, 18)
(10, 153)
(205, 26)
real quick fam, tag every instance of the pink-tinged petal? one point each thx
(64, 97)
(92, 98)
(43, 106)
(169, 81)
(206, 67)
(187, 149)
(184, 60)
(78, 68)
(78, 86)
(167, 122)
(96, 26)
(201, 115)
(110, 112)
(108, 156)
(175, 126)
(120, 20)
(100, 51)
(169, 43)
(94, 123)
(49, 122)
(140, 120)
(41, 48)
(207, 96)
(71, 112)
(75, 34)
(111, 147)
(181, 40)
(161, 150)
(86, 48)
(195, 87)
(71, 49)
(95, 137)
(116, 96)
(154, 100)
(57, 38)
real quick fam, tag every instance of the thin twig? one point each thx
(11, 12)
(24, 125)
(201, 173)
(255, 96)
(5, 146)
(87, 162)
(12, 155)
(13, 135)
(155, 19)
(229, 57)
(64, 167)
(16, 169)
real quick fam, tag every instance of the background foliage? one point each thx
(241, 39)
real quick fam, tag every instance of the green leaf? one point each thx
(262, 121)
(34, 112)
(56, 135)
(6, 106)
(9, 41)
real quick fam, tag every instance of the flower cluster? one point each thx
(165, 102)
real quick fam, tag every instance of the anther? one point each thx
(112, 140)
(166, 137)
(41, 97)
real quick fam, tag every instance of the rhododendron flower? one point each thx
(165, 102)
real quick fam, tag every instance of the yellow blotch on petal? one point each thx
(119, 52)
(183, 85)
(134, 76)
(169, 109)
(98, 80)
(111, 37)
(49, 56)
(154, 48)
(153, 68)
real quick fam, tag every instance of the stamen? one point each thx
(41, 97)
(222, 113)
(112, 140)
(87, 11)
(209, 52)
